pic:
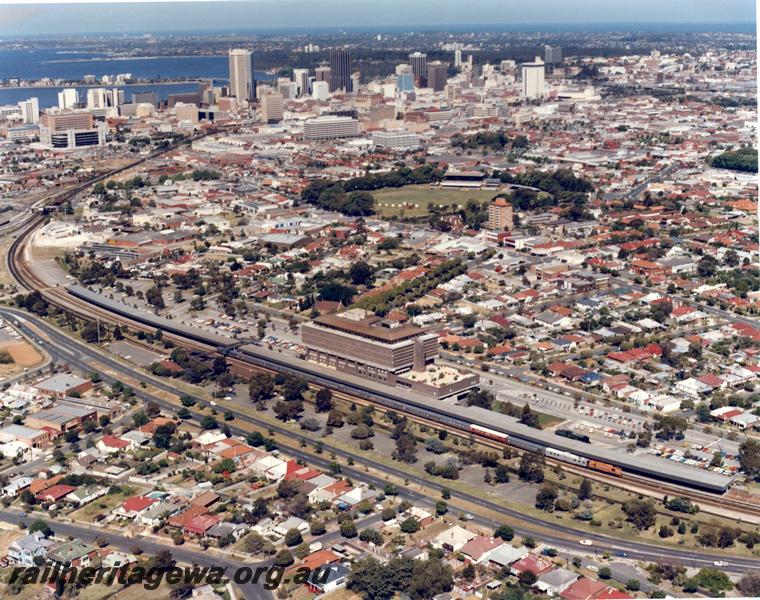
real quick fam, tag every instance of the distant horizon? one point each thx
(550, 28)
(303, 16)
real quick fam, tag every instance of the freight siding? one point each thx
(461, 417)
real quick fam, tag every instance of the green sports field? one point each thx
(413, 200)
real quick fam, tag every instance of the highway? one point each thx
(80, 355)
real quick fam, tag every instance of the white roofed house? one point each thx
(556, 581)
(24, 550)
(86, 494)
(691, 387)
(453, 539)
(16, 485)
(357, 495)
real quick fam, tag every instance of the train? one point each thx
(472, 419)
(548, 451)
(571, 435)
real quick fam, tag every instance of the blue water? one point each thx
(48, 96)
(60, 64)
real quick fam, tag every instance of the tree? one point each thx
(505, 532)
(749, 585)
(370, 578)
(605, 573)
(633, 585)
(362, 432)
(501, 473)
(528, 417)
(372, 536)
(317, 528)
(348, 529)
(749, 457)
(323, 400)
(283, 558)
(531, 467)
(42, 527)
(585, 489)
(713, 580)
(209, 422)
(360, 272)
(293, 538)
(545, 498)
(441, 508)
(261, 387)
(410, 525)
(388, 513)
(641, 513)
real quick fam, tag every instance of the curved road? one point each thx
(82, 356)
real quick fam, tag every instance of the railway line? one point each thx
(76, 300)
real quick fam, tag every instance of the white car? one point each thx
(593, 568)
(720, 563)
(586, 542)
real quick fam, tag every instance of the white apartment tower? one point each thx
(68, 98)
(241, 75)
(301, 79)
(533, 79)
(30, 111)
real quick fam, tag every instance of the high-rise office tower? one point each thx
(323, 73)
(418, 61)
(437, 74)
(30, 111)
(533, 79)
(356, 78)
(271, 107)
(242, 85)
(458, 57)
(340, 70)
(301, 78)
(552, 54)
(68, 98)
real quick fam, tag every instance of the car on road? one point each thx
(593, 568)
(621, 554)
(586, 542)
(720, 563)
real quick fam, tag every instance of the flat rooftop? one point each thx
(368, 325)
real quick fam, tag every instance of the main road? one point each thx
(84, 357)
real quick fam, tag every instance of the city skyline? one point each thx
(23, 17)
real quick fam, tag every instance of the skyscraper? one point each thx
(340, 70)
(323, 73)
(552, 54)
(68, 98)
(301, 78)
(271, 107)
(418, 61)
(97, 98)
(437, 74)
(30, 111)
(242, 85)
(533, 79)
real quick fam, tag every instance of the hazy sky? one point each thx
(24, 17)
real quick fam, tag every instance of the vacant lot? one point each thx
(413, 200)
(24, 355)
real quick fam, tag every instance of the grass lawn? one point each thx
(413, 200)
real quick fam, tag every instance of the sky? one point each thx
(34, 17)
